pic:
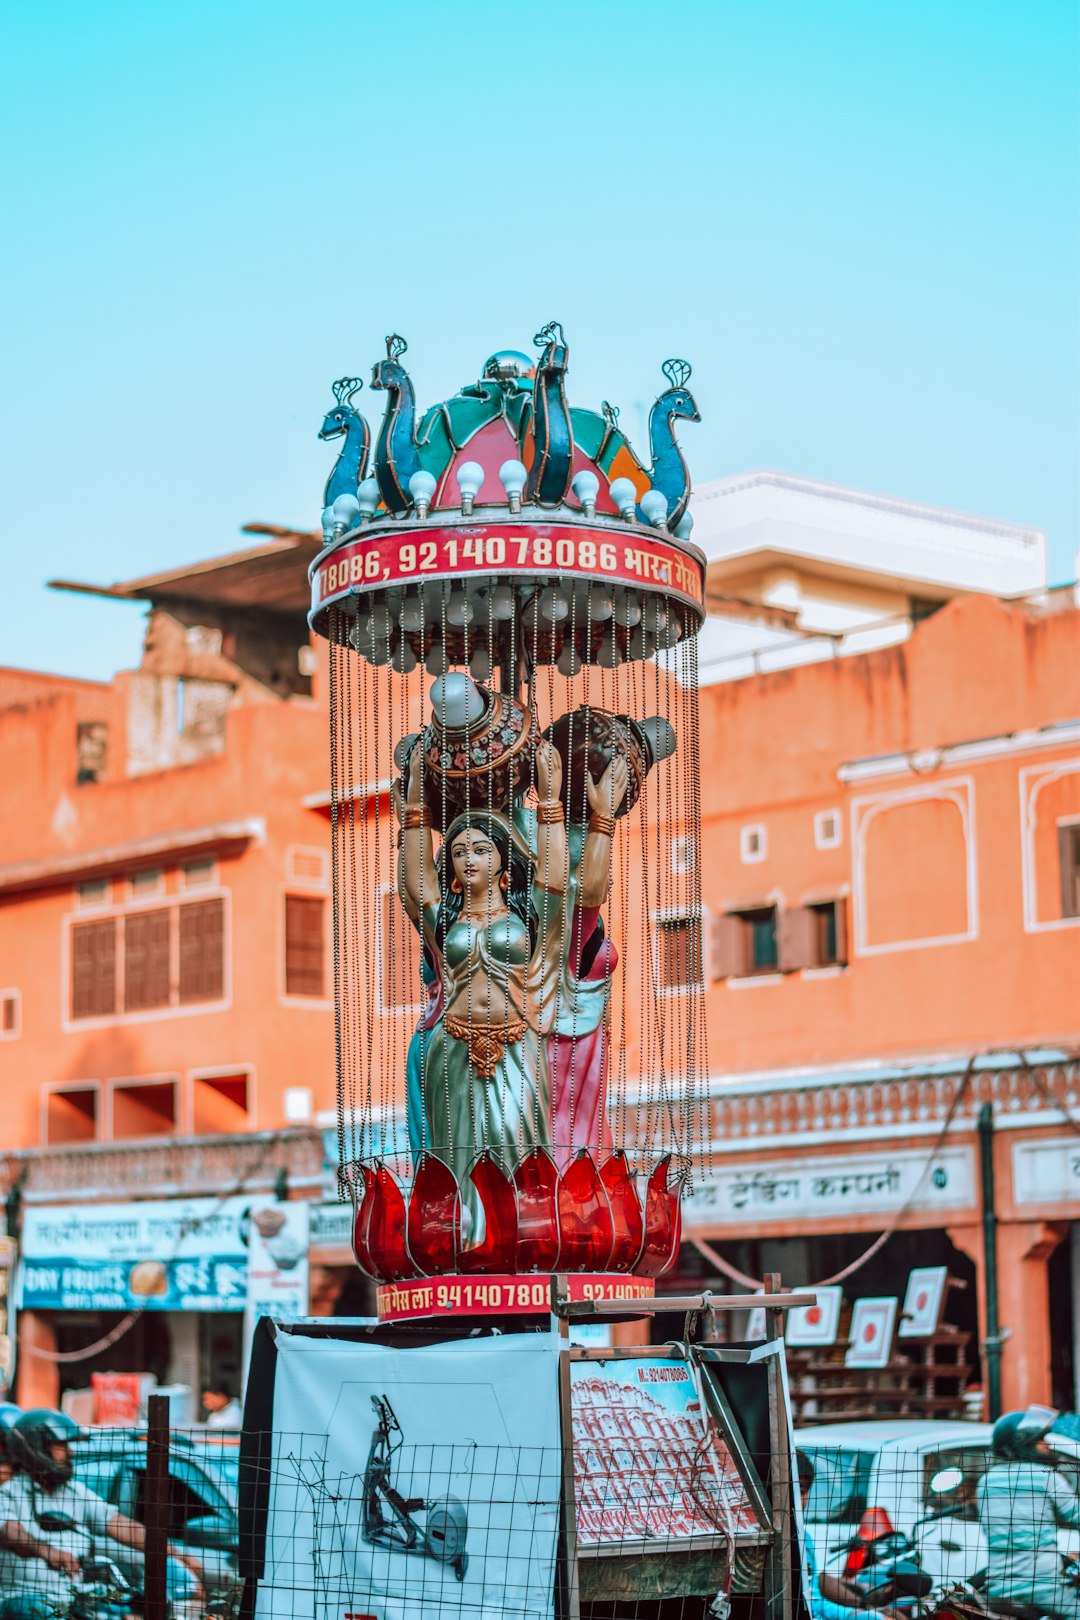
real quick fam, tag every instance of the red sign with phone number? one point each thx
(499, 1296)
(628, 556)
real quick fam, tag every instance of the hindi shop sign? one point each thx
(182, 1254)
(825, 1188)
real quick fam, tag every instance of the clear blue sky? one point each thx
(858, 220)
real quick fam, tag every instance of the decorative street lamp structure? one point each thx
(512, 601)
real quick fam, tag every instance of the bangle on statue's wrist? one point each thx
(604, 825)
(549, 811)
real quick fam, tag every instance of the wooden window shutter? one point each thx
(729, 947)
(798, 938)
(399, 950)
(842, 931)
(1069, 865)
(305, 949)
(202, 951)
(680, 952)
(93, 969)
(146, 960)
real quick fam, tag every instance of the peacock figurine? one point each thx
(551, 439)
(396, 454)
(345, 420)
(669, 473)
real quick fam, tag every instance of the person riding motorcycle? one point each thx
(1022, 1502)
(40, 1558)
(16, 1540)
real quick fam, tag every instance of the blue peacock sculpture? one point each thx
(552, 434)
(669, 472)
(345, 420)
(396, 453)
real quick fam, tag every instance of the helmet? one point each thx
(29, 1439)
(1017, 1434)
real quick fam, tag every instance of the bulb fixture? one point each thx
(624, 495)
(512, 476)
(654, 508)
(367, 498)
(470, 479)
(422, 487)
(586, 486)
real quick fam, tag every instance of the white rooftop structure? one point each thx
(802, 570)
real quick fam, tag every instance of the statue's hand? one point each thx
(548, 772)
(413, 794)
(606, 795)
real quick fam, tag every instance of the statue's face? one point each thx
(475, 859)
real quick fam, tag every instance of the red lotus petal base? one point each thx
(591, 1218)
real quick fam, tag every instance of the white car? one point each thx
(921, 1475)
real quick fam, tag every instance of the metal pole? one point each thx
(157, 1509)
(992, 1340)
(778, 1593)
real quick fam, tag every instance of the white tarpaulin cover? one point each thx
(417, 1482)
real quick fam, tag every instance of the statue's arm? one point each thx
(418, 881)
(605, 797)
(552, 850)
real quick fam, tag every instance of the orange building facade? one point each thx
(890, 857)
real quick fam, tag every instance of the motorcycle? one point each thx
(445, 1523)
(883, 1565)
(103, 1590)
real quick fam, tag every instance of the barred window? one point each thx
(305, 948)
(93, 969)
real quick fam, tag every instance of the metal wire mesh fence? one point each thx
(648, 1510)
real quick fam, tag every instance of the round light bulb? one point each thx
(627, 610)
(609, 653)
(502, 603)
(635, 644)
(480, 663)
(624, 495)
(380, 620)
(436, 662)
(685, 526)
(411, 617)
(459, 610)
(380, 652)
(422, 486)
(404, 659)
(554, 605)
(654, 508)
(586, 486)
(568, 662)
(346, 511)
(601, 606)
(328, 523)
(512, 476)
(367, 497)
(470, 480)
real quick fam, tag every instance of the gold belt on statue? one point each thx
(486, 1042)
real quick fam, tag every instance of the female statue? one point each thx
(497, 921)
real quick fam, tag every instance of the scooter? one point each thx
(102, 1591)
(445, 1522)
(884, 1566)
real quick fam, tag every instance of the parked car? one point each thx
(202, 1497)
(922, 1477)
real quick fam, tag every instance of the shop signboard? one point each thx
(1047, 1172)
(277, 1273)
(810, 1189)
(419, 1482)
(647, 1462)
(182, 1254)
(331, 1226)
